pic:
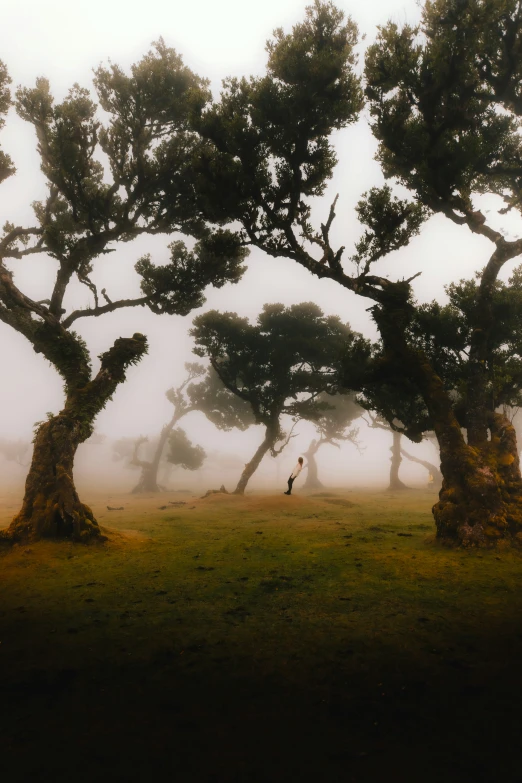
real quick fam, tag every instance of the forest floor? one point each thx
(263, 639)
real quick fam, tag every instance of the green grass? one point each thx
(264, 638)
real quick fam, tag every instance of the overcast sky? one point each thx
(64, 41)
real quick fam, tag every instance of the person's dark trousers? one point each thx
(290, 482)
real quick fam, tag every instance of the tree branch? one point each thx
(108, 308)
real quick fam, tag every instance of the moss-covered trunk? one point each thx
(395, 464)
(251, 467)
(480, 500)
(312, 477)
(51, 506)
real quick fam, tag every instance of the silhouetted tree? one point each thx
(147, 185)
(333, 425)
(181, 451)
(446, 102)
(279, 366)
(210, 397)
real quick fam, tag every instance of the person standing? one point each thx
(296, 471)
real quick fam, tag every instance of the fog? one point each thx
(64, 41)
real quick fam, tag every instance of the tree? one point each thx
(378, 422)
(148, 186)
(210, 397)
(14, 450)
(278, 366)
(183, 453)
(445, 101)
(333, 425)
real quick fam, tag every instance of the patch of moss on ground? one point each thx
(262, 638)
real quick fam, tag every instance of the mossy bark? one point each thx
(269, 442)
(396, 459)
(480, 501)
(51, 506)
(312, 477)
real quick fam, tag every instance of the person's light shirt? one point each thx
(296, 471)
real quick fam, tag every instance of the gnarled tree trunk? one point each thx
(396, 459)
(481, 496)
(480, 500)
(312, 478)
(51, 506)
(149, 470)
(269, 442)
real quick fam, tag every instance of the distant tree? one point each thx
(181, 451)
(15, 450)
(123, 450)
(333, 425)
(279, 366)
(446, 107)
(211, 398)
(146, 185)
(378, 422)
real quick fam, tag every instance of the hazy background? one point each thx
(64, 41)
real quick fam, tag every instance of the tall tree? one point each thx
(280, 365)
(333, 425)
(148, 186)
(445, 100)
(220, 406)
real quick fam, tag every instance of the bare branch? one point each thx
(108, 308)
(275, 452)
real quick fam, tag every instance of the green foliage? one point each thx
(272, 131)
(396, 400)
(334, 422)
(148, 184)
(66, 351)
(6, 164)
(177, 287)
(220, 406)
(391, 223)
(282, 363)
(442, 97)
(183, 453)
(445, 335)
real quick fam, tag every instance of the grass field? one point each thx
(321, 637)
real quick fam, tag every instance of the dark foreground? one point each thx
(242, 639)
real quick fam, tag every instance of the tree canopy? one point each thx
(444, 105)
(279, 365)
(146, 185)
